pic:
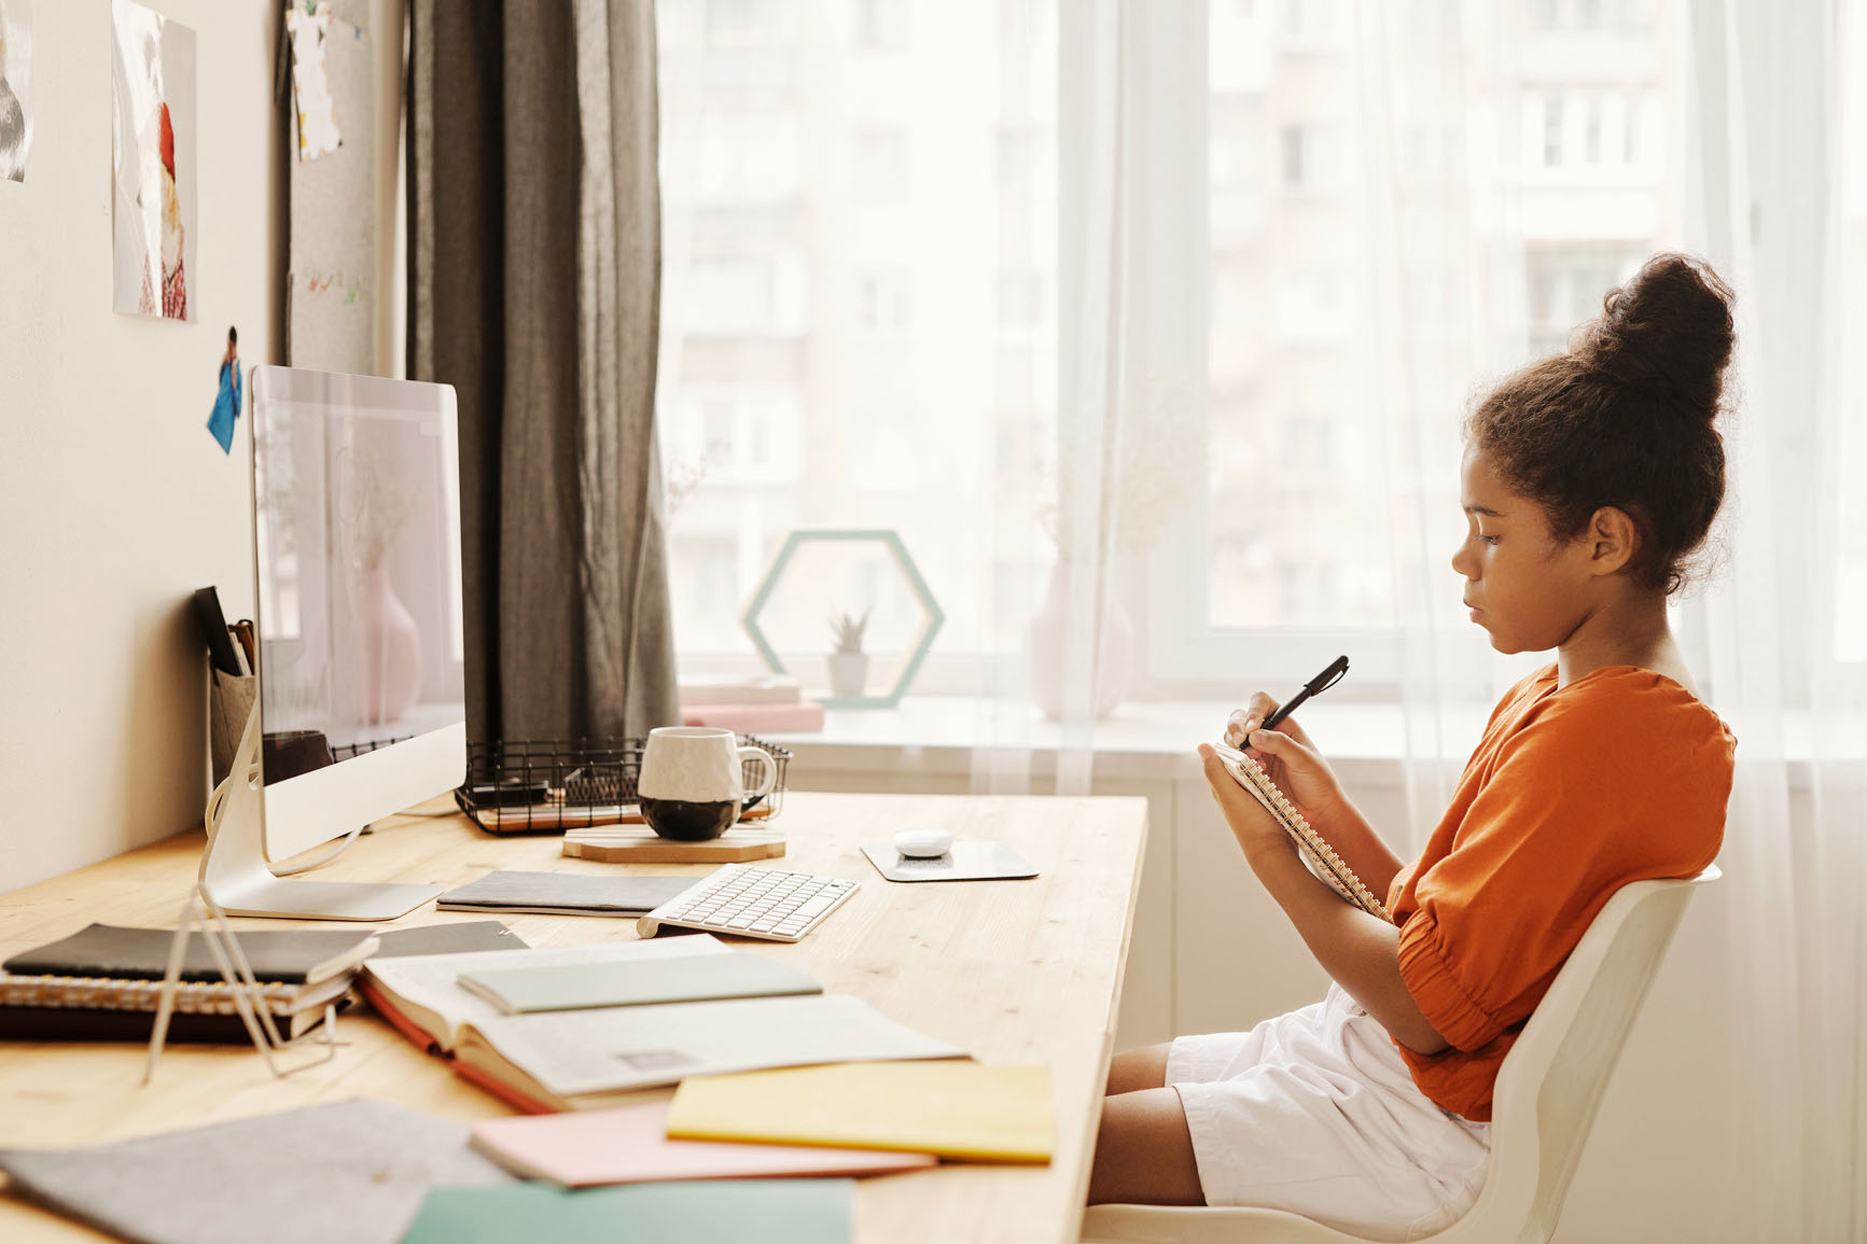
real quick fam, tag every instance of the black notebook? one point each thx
(566, 894)
(107, 952)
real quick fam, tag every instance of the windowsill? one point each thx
(1155, 740)
(1147, 739)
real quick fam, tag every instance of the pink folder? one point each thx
(756, 718)
(629, 1144)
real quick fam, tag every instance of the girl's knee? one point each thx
(1145, 1068)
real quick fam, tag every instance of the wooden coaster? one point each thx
(627, 844)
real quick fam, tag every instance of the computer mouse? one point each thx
(923, 843)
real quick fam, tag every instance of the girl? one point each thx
(1587, 479)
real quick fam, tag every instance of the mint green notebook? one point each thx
(639, 982)
(707, 1211)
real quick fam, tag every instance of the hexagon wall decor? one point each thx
(891, 542)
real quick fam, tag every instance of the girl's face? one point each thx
(1529, 591)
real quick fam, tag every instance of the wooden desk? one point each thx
(1013, 971)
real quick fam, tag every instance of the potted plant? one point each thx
(849, 664)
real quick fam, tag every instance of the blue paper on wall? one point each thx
(227, 400)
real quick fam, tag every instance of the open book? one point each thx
(582, 1060)
(1318, 854)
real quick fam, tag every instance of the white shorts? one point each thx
(1314, 1112)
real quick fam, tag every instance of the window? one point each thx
(881, 174)
(881, 25)
(882, 301)
(1293, 156)
(860, 297)
(856, 293)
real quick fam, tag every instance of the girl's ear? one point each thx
(1611, 538)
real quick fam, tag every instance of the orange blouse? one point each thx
(1572, 793)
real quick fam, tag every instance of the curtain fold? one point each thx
(1776, 124)
(630, 653)
(535, 275)
(1128, 440)
(1755, 1033)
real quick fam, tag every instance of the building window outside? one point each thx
(902, 385)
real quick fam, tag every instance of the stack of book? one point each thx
(104, 983)
(771, 1077)
(581, 1027)
(771, 705)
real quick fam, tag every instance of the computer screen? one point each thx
(357, 558)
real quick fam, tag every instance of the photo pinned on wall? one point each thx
(153, 128)
(308, 26)
(227, 401)
(15, 88)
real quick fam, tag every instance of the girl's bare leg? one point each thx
(1144, 1153)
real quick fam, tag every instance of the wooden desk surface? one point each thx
(1013, 971)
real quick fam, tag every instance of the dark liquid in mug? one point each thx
(685, 820)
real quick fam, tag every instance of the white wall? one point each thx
(115, 502)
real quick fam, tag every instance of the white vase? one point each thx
(1112, 662)
(849, 672)
(391, 649)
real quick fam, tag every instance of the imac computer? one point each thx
(361, 707)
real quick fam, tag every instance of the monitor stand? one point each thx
(237, 878)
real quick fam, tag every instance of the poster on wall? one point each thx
(152, 75)
(15, 88)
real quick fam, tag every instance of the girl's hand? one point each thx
(1300, 773)
(1292, 762)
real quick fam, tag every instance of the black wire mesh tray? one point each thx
(547, 787)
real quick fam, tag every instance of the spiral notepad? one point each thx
(1318, 854)
(191, 997)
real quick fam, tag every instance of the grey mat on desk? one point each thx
(353, 1171)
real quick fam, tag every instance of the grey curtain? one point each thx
(535, 260)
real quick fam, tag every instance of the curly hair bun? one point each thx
(1667, 332)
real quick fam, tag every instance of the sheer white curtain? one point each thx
(1775, 156)
(1502, 166)
(1131, 349)
(1741, 1110)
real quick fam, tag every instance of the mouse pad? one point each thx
(969, 859)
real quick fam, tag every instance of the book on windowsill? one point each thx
(803, 717)
(590, 1059)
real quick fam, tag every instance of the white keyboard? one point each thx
(749, 901)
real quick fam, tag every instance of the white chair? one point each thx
(1547, 1092)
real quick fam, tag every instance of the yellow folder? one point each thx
(951, 1108)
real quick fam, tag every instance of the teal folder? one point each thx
(678, 978)
(726, 1211)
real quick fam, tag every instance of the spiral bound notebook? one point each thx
(1317, 853)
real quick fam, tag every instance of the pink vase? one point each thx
(391, 649)
(1047, 644)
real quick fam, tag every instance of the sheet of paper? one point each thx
(432, 981)
(627, 1145)
(311, 92)
(619, 1048)
(957, 1110)
(771, 1211)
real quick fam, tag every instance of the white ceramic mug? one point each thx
(692, 782)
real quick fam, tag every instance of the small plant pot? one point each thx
(849, 672)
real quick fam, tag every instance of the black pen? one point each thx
(1315, 686)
